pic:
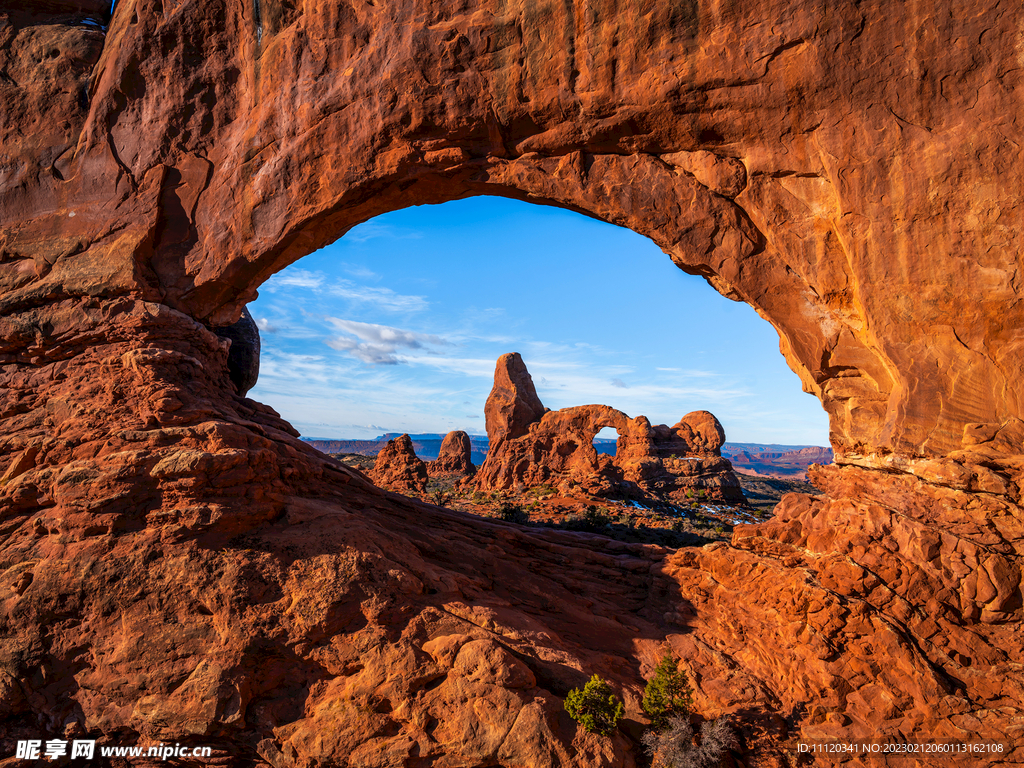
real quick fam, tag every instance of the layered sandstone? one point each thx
(536, 446)
(176, 565)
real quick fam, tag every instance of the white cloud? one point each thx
(378, 344)
(296, 278)
(370, 230)
(381, 298)
(265, 325)
(620, 384)
(357, 270)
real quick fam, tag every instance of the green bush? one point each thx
(596, 708)
(513, 513)
(668, 693)
(595, 519)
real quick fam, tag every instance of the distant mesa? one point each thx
(427, 445)
(787, 462)
(780, 461)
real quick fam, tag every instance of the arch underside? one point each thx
(861, 196)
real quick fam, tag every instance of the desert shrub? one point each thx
(595, 519)
(441, 497)
(541, 490)
(668, 693)
(595, 707)
(513, 513)
(674, 747)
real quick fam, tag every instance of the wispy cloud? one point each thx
(265, 325)
(378, 344)
(296, 278)
(381, 298)
(317, 282)
(620, 384)
(369, 231)
(358, 270)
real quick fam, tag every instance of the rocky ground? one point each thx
(646, 521)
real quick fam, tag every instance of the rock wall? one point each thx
(175, 564)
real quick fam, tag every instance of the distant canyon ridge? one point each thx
(789, 462)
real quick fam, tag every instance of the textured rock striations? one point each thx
(176, 565)
(557, 447)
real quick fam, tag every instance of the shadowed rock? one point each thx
(244, 354)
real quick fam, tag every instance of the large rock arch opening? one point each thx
(861, 196)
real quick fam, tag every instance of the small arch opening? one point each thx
(606, 441)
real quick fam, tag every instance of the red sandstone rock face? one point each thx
(397, 466)
(454, 457)
(513, 405)
(557, 447)
(176, 564)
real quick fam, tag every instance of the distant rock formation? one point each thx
(532, 446)
(455, 457)
(398, 467)
(513, 404)
(775, 461)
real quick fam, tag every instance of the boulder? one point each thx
(454, 458)
(398, 468)
(244, 354)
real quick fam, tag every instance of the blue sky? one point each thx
(396, 328)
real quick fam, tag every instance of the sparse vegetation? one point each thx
(673, 747)
(513, 513)
(668, 693)
(595, 519)
(595, 707)
(441, 497)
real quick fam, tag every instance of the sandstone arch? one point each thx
(862, 196)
